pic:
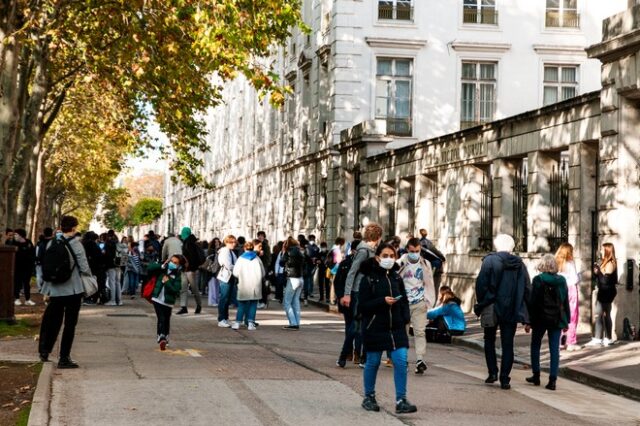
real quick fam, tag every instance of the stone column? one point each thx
(504, 172)
(541, 166)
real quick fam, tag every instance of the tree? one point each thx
(145, 211)
(165, 58)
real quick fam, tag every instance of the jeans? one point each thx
(214, 291)
(223, 302)
(190, 278)
(603, 320)
(291, 301)
(163, 313)
(554, 349)
(113, 282)
(507, 334)
(247, 311)
(399, 359)
(133, 280)
(308, 285)
(352, 333)
(39, 280)
(61, 308)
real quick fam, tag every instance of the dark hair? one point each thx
(311, 237)
(355, 244)
(7, 230)
(48, 232)
(413, 242)
(241, 240)
(181, 260)
(339, 241)
(323, 244)
(262, 233)
(21, 232)
(67, 223)
(357, 235)
(385, 246)
(111, 232)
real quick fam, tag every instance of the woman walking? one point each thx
(293, 263)
(227, 260)
(548, 313)
(250, 272)
(214, 286)
(607, 278)
(385, 316)
(166, 291)
(567, 269)
(133, 269)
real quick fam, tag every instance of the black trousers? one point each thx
(507, 334)
(60, 308)
(163, 313)
(22, 281)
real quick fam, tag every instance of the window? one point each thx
(393, 95)
(520, 206)
(401, 10)
(479, 12)
(559, 203)
(560, 83)
(478, 100)
(291, 114)
(562, 13)
(486, 211)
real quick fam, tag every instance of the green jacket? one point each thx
(172, 287)
(535, 302)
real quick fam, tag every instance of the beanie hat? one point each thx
(186, 231)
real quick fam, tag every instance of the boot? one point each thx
(552, 384)
(66, 362)
(198, 309)
(534, 379)
(182, 311)
(403, 407)
(370, 403)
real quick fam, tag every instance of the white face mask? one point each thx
(387, 262)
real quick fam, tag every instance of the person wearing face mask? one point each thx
(165, 293)
(417, 277)
(385, 316)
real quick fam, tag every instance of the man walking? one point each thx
(195, 258)
(172, 245)
(502, 288)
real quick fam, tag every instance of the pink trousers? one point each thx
(572, 332)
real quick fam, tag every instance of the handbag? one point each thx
(90, 285)
(488, 317)
(149, 286)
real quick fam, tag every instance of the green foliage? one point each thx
(114, 215)
(145, 211)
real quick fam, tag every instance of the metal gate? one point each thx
(486, 214)
(520, 201)
(559, 201)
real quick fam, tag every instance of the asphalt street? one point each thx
(215, 376)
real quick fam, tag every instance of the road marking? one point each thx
(193, 352)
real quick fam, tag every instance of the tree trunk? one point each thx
(40, 220)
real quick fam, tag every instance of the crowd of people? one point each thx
(384, 290)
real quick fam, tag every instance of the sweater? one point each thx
(250, 271)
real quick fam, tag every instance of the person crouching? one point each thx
(166, 291)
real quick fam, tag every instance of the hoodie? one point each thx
(504, 281)
(250, 272)
(451, 313)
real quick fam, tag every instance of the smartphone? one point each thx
(398, 297)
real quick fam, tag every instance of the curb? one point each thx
(574, 373)
(39, 414)
(324, 306)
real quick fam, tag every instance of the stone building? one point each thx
(328, 163)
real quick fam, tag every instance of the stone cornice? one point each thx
(395, 43)
(615, 48)
(558, 49)
(472, 46)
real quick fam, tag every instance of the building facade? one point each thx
(424, 115)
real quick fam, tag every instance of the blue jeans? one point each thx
(554, 334)
(223, 302)
(247, 311)
(352, 332)
(292, 302)
(399, 359)
(134, 279)
(507, 334)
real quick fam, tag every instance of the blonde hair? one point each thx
(564, 254)
(229, 239)
(248, 246)
(609, 255)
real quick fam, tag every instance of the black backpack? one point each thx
(551, 306)
(341, 276)
(56, 264)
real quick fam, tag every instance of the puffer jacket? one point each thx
(383, 325)
(293, 262)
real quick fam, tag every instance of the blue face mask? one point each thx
(172, 266)
(414, 257)
(59, 235)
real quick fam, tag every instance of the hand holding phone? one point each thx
(398, 297)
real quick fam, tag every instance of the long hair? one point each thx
(609, 255)
(564, 254)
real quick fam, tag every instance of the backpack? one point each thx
(56, 263)
(434, 260)
(551, 306)
(341, 277)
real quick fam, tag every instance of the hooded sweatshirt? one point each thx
(250, 271)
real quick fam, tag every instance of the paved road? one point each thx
(275, 377)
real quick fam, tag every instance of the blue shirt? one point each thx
(452, 314)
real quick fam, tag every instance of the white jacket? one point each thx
(249, 274)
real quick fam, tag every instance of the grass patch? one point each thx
(23, 327)
(23, 416)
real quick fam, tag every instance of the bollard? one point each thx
(7, 264)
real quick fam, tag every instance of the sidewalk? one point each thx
(615, 369)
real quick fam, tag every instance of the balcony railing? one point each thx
(488, 16)
(566, 19)
(399, 126)
(399, 12)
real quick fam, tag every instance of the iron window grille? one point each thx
(399, 10)
(486, 213)
(559, 201)
(520, 202)
(562, 14)
(479, 12)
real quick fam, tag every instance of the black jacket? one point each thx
(94, 257)
(383, 325)
(193, 253)
(293, 262)
(607, 286)
(110, 251)
(25, 258)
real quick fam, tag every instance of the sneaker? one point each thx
(224, 324)
(251, 327)
(261, 305)
(370, 404)
(388, 363)
(30, 303)
(120, 303)
(44, 357)
(162, 341)
(403, 407)
(341, 362)
(594, 343)
(18, 302)
(65, 363)
(606, 342)
(306, 302)
(182, 311)
(573, 348)
(421, 367)
(235, 325)
(291, 327)
(111, 304)
(88, 302)
(491, 379)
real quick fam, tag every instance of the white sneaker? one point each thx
(593, 343)
(306, 302)
(251, 327)
(261, 306)
(223, 324)
(110, 304)
(30, 303)
(18, 302)
(573, 348)
(235, 326)
(606, 342)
